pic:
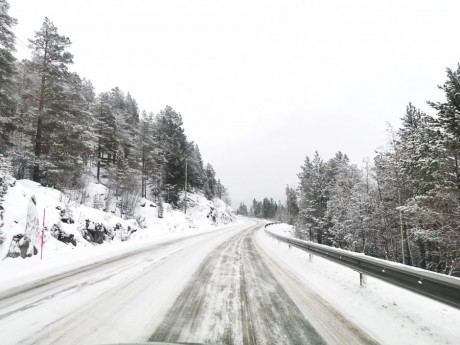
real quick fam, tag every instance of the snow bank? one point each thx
(29, 207)
(201, 214)
(71, 227)
(388, 313)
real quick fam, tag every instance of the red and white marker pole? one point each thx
(43, 235)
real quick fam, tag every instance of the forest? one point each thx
(402, 206)
(55, 129)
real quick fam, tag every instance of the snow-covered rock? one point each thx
(31, 208)
(201, 213)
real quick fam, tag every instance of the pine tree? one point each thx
(147, 149)
(21, 151)
(68, 142)
(50, 59)
(105, 131)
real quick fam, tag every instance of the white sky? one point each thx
(262, 84)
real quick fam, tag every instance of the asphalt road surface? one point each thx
(220, 287)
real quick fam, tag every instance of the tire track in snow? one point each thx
(249, 336)
(107, 300)
(234, 299)
(333, 326)
(208, 308)
(273, 316)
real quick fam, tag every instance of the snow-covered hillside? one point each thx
(71, 226)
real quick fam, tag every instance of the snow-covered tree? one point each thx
(7, 70)
(50, 58)
(172, 152)
(313, 183)
(292, 205)
(210, 190)
(242, 209)
(147, 151)
(196, 175)
(352, 210)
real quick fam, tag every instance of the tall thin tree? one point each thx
(51, 59)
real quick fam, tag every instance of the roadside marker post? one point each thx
(43, 235)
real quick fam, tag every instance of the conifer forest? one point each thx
(402, 205)
(55, 129)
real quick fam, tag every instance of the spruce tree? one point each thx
(292, 206)
(7, 70)
(445, 196)
(242, 210)
(448, 122)
(211, 183)
(196, 171)
(313, 197)
(172, 152)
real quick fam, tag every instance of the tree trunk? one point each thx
(407, 257)
(38, 136)
(99, 164)
(41, 107)
(144, 184)
(423, 258)
(457, 174)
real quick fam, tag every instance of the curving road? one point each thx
(220, 287)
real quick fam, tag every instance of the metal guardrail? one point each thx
(436, 286)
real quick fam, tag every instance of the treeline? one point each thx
(55, 129)
(269, 209)
(405, 205)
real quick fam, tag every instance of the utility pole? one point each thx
(185, 199)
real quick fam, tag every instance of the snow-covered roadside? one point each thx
(120, 301)
(78, 234)
(14, 272)
(389, 314)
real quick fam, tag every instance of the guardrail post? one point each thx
(362, 279)
(310, 257)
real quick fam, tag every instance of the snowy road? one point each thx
(220, 287)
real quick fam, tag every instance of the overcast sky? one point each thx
(262, 84)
